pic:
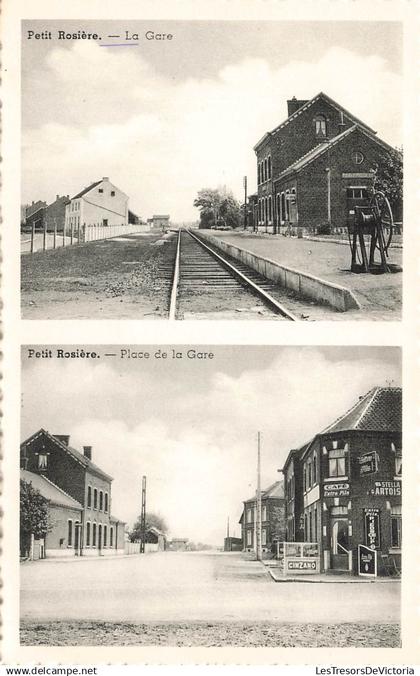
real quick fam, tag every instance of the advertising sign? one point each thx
(336, 490)
(367, 561)
(386, 488)
(372, 526)
(302, 566)
(368, 463)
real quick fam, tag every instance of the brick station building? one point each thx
(78, 493)
(344, 487)
(314, 167)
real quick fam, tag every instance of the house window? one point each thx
(112, 193)
(396, 526)
(337, 462)
(314, 469)
(94, 535)
(106, 502)
(309, 474)
(264, 513)
(358, 157)
(270, 209)
(249, 538)
(100, 190)
(43, 461)
(315, 525)
(105, 536)
(88, 534)
(320, 126)
(249, 515)
(269, 166)
(89, 496)
(69, 532)
(259, 173)
(398, 465)
(111, 536)
(263, 537)
(357, 193)
(95, 499)
(105, 222)
(101, 501)
(265, 170)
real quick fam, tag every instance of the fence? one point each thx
(52, 238)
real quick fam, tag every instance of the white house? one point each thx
(100, 203)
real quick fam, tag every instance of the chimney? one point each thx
(293, 105)
(33, 202)
(64, 438)
(105, 178)
(87, 452)
(57, 197)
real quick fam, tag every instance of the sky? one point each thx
(190, 425)
(164, 119)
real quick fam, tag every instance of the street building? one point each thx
(272, 519)
(178, 544)
(155, 540)
(159, 222)
(343, 488)
(35, 215)
(55, 213)
(315, 167)
(232, 544)
(79, 495)
(101, 203)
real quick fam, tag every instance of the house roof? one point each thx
(156, 531)
(380, 410)
(307, 105)
(275, 490)
(49, 490)
(321, 148)
(82, 459)
(88, 189)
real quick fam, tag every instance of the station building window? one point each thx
(89, 496)
(101, 501)
(94, 535)
(88, 534)
(106, 502)
(111, 536)
(105, 536)
(95, 498)
(70, 532)
(269, 166)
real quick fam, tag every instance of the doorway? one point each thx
(339, 543)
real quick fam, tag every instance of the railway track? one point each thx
(201, 273)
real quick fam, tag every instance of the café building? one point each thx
(344, 487)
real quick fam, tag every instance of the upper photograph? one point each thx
(198, 170)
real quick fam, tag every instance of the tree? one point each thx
(218, 207)
(389, 179)
(152, 519)
(33, 511)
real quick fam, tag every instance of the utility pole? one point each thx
(245, 204)
(258, 505)
(227, 529)
(143, 515)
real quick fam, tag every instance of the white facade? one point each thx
(100, 204)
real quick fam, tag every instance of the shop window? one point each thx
(337, 462)
(101, 501)
(89, 496)
(70, 532)
(43, 461)
(320, 126)
(396, 526)
(95, 499)
(88, 534)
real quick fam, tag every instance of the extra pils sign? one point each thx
(368, 463)
(367, 561)
(372, 534)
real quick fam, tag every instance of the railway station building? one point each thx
(100, 203)
(272, 519)
(315, 167)
(79, 497)
(344, 487)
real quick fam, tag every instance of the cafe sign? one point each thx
(366, 561)
(368, 463)
(386, 488)
(372, 526)
(336, 490)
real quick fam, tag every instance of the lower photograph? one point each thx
(211, 495)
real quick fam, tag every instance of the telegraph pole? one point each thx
(245, 204)
(143, 515)
(258, 505)
(227, 529)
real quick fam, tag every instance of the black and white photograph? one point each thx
(194, 170)
(211, 496)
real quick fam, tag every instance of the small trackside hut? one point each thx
(344, 487)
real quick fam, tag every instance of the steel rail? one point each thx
(269, 300)
(175, 280)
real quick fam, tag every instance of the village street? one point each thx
(175, 597)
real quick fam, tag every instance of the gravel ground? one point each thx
(106, 279)
(380, 296)
(210, 634)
